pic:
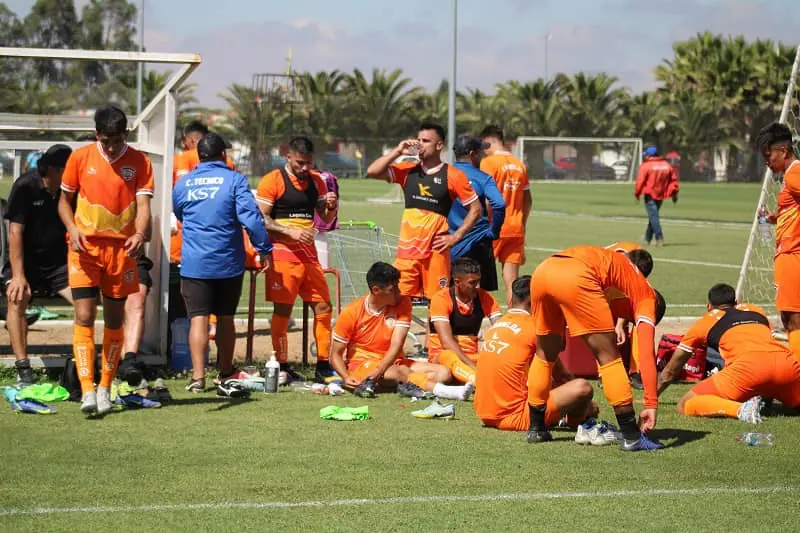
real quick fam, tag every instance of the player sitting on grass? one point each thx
(755, 364)
(504, 367)
(457, 314)
(370, 334)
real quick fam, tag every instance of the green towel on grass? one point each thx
(44, 392)
(334, 412)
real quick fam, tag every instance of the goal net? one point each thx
(353, 248)
(755, 283)
(580, 158)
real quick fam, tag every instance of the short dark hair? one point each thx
(301, 145)
(110, 120)
(211, 147)
(438, 128)
(195, 126)
(55, 157)
(661, 307)
(721, 294)
(493, 131)
(465, 265)
(642, 259)
(382, 275)
(774, 134)
(521, 289)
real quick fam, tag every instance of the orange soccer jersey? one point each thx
(441, 310)
(624, 247)
(418, 227)
(368, 334)
(511, 177)
(107, 190)
(270, 189)
(501, 389)
(787, 230)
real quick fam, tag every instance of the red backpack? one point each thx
(695, 367)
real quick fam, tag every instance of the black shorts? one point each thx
(144, 266)
(211, 296)
(44, 282)
(483, 253)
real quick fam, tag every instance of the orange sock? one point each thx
(794, 342)
(279, 328)
(322, 334)
(616, 386)
(540, 381)
(461, 371)
(112, 351)
(420, 379)
(552, 413)
(708, 405)
(83, 353)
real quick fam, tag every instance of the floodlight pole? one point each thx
(140, 72)
(451, 90)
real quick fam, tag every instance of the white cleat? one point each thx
(103, 401)
(596, 433)
(469, 390)
(750, 411)
(89, 403)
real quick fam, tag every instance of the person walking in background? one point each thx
(657, 181)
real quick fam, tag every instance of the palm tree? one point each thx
(323, 102)
(476, 109)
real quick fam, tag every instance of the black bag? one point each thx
(69, 378)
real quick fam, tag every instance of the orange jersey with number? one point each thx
(787, 229)
(511, 177)
(107, 190)
(367, 333)
(501, 387)
(441, 309)
(418, 227)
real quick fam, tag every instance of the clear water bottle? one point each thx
(764, 227)
(271, 375)
(756, 439)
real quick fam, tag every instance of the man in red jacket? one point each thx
(657, 181)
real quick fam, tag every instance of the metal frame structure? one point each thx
(155, 131)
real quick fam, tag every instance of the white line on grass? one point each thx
(530, 496)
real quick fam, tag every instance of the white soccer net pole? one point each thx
(787, 104)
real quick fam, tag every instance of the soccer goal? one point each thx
(756, 275)
(580, 158)
(152, 131)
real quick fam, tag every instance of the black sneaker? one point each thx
(535, 435)
(288, 374)
(232, 388)
(409, 390)
(131, 370)
(366, 389)
(25, 375)
(325, 373)
(636, 381)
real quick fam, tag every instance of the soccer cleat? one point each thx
(410, 390)
(750, 411)
(366, 389)
(596, 433)
(89, 403)
(536, 435)
(160, 392)
(643, 443)
(134, 400)
(196, 385)
(25, 375)
(436, 410)
(288, 374)
(103, 401)
(469, 390)
(324, 373)
(636, 381)
(232, 388)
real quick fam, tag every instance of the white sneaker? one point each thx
(89, 403)
(103, 401)
(750, 411)
(469, 390)
(596, 433)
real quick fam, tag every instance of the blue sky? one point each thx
(499, 39)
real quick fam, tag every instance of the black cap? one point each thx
(55, 157)
(469, 143)
(211, 147)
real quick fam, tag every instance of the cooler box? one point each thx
(578, 358)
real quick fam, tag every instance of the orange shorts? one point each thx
(771, 375)
(424, 277)
(510, 250)
(521, 420)
(287, 280)
(564, 291)
(787, 282)
(105, 264)
(362, 368)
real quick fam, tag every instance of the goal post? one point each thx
(755, 283)
(154, 133)
(580, 158)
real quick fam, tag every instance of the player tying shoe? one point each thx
(288, 198)
(111, 185)
(504, 372)
(457, 314)
(775, 144)
(370, 333)
(568, 289)
(756, 365)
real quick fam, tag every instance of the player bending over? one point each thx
(502, 394)
(568, 289)
(370, 334)
(457, 314)
(755, 364)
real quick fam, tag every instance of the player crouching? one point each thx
(504, 366)
(370, 334)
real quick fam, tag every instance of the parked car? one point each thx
(552, 172)
(621, 169)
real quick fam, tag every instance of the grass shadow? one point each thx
(221, 403)
(673, 438)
